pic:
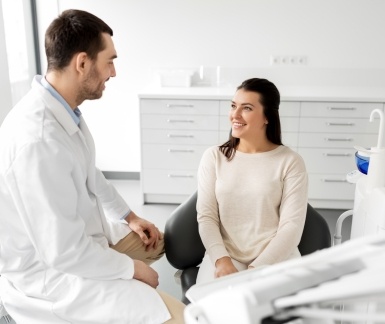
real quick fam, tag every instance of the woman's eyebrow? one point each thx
(243, 104)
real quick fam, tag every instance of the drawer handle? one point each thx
(180, 121)
(340, 124)
(328, 139)
(342, 108)
(180, 151)
(334, 180)
(179, 106)
(180, 176)
(176, 135)
(337, 154)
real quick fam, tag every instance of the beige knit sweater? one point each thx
(252, 208)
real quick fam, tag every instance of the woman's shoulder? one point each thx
(212, 150)
(292, 157)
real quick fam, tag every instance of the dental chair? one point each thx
(185, 250)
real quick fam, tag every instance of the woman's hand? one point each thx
(224, 266)
(148, 232)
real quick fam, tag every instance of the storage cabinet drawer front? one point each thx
(289, 109)
(286, 108)
(331, 187)
(179, 107)
(335, 140)
(335, 125)
(180, 122)
(338, 109)
(171, 137)
(169, 182)
(328, 161)
(179, 157)
(290, 139)
(288, 124)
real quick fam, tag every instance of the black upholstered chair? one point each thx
(185, 250)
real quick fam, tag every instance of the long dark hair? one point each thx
(270, 100)
(74, 31)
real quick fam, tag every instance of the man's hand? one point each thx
(224, 266)
(145, 274)
(148, 232)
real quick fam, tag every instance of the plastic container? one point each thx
(362, 162)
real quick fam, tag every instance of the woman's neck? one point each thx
(256, 147)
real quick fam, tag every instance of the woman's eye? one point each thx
(233, 107)
(247, 108)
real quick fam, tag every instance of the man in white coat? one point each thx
(71, 250)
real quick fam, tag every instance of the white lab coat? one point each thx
(55, 263)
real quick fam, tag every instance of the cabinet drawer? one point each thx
(335, 140)
(182, 122)
(330, 186)
(286, 108)
(290, 139)
(289, 109)
(171, 137)
(328, 160)
(169, 182)
(338, 125)
(179, 157)
(179, 107)
(288, 124)
(339, 109)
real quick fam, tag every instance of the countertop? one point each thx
(290, 93)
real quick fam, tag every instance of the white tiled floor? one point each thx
(157, 214)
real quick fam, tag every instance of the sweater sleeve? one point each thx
(207, 207)
(292, 215)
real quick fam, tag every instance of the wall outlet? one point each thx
(288, 60)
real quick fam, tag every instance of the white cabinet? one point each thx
(176, 131)
(328, 132)
(174, 135)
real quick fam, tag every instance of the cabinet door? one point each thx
(174, 122)
(337, 125)
(179, 107)
(339, 109)
(172, 137)
(335, 140)
(168, 182)
(328, 160)
(330, 187)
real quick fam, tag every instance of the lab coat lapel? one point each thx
(88, 141)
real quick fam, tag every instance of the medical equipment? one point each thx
(311, 288)
(369, 202)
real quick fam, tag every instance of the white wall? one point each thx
(5, 87)
(341, 38)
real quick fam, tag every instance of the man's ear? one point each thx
(81, 60)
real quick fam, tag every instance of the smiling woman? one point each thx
(252, 190)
